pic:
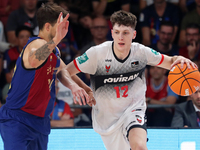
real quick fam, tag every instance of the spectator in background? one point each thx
(159, 93)
(68, 46)
(6, 7)
(22, 35)
(77, 36)
(83, 5)
(164, 44)
(61, 115)
(144, 3)
(3, 44)
(23, 16)
(85, 21)
(187, 114)
(192, 49)
(99, 30)
(107, 7)
(186, 5)
(151, 17)
(191, 17)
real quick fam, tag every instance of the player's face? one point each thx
(122, 37)
(196, 98)
(165, 34)
(23, 38)
(192, 35)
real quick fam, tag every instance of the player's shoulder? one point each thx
(37, 42)
(137, 46)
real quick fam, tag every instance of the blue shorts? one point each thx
(17, 135)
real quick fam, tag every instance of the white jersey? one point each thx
(119, 86)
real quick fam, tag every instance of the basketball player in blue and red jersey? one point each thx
(24, 119)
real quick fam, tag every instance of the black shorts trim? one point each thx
(144, 126)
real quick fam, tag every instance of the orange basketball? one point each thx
(184, 81)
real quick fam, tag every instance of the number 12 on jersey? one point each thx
(123, 88)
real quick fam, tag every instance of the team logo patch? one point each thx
(135, 63)
(139, 118)
(155, 52)
(107, 68)
(83, 58)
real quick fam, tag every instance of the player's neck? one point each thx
(121, 54)
(43, 35)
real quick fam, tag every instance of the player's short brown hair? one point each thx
(122, 17)
(49, 12)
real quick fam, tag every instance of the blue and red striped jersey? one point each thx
(33, 90)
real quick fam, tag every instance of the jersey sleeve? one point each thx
(154, 58)
(87, 62)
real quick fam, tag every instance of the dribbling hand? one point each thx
(182, 60)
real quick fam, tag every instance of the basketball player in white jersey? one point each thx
(118, 83)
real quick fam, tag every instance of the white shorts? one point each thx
(118, 140)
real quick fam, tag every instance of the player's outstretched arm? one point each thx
(79, 89)
(39, 50)
(170, 62)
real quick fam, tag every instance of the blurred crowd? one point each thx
(171, 27)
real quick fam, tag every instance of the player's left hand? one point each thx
(92, 100)
(61, 29)
(182, 60)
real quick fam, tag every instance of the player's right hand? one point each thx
(61, 29)
(79, 94)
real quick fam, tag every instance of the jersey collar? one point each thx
(120, 60)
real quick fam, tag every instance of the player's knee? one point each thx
(139, 146)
